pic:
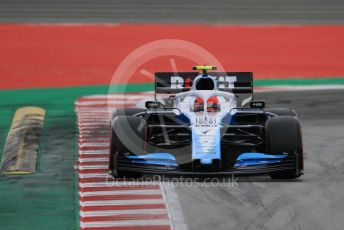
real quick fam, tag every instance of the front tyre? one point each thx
(283, 135)
(127, 136)
(126, 112)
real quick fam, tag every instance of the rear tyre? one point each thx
(283, 135)
(281, 112)
(127, 136)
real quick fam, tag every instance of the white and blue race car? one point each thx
(205, 123)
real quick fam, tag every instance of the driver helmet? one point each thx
(212, 104)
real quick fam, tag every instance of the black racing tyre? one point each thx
(127, 136)
(281, 111)
(283, 135)
(126, 112)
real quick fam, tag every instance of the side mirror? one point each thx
(257, 104)
(153, 105)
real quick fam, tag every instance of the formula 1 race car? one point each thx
(204, 123)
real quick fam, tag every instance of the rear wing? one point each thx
(172, 83)
(239, 83)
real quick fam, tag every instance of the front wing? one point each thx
(260, 164)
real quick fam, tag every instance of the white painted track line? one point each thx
(120, 212)
(94, 159)
(124, 223)
(122, 192)
(121, 202)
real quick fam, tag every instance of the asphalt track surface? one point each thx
(176, 11)
(315, 201)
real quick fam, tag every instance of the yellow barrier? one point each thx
(22, 143)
